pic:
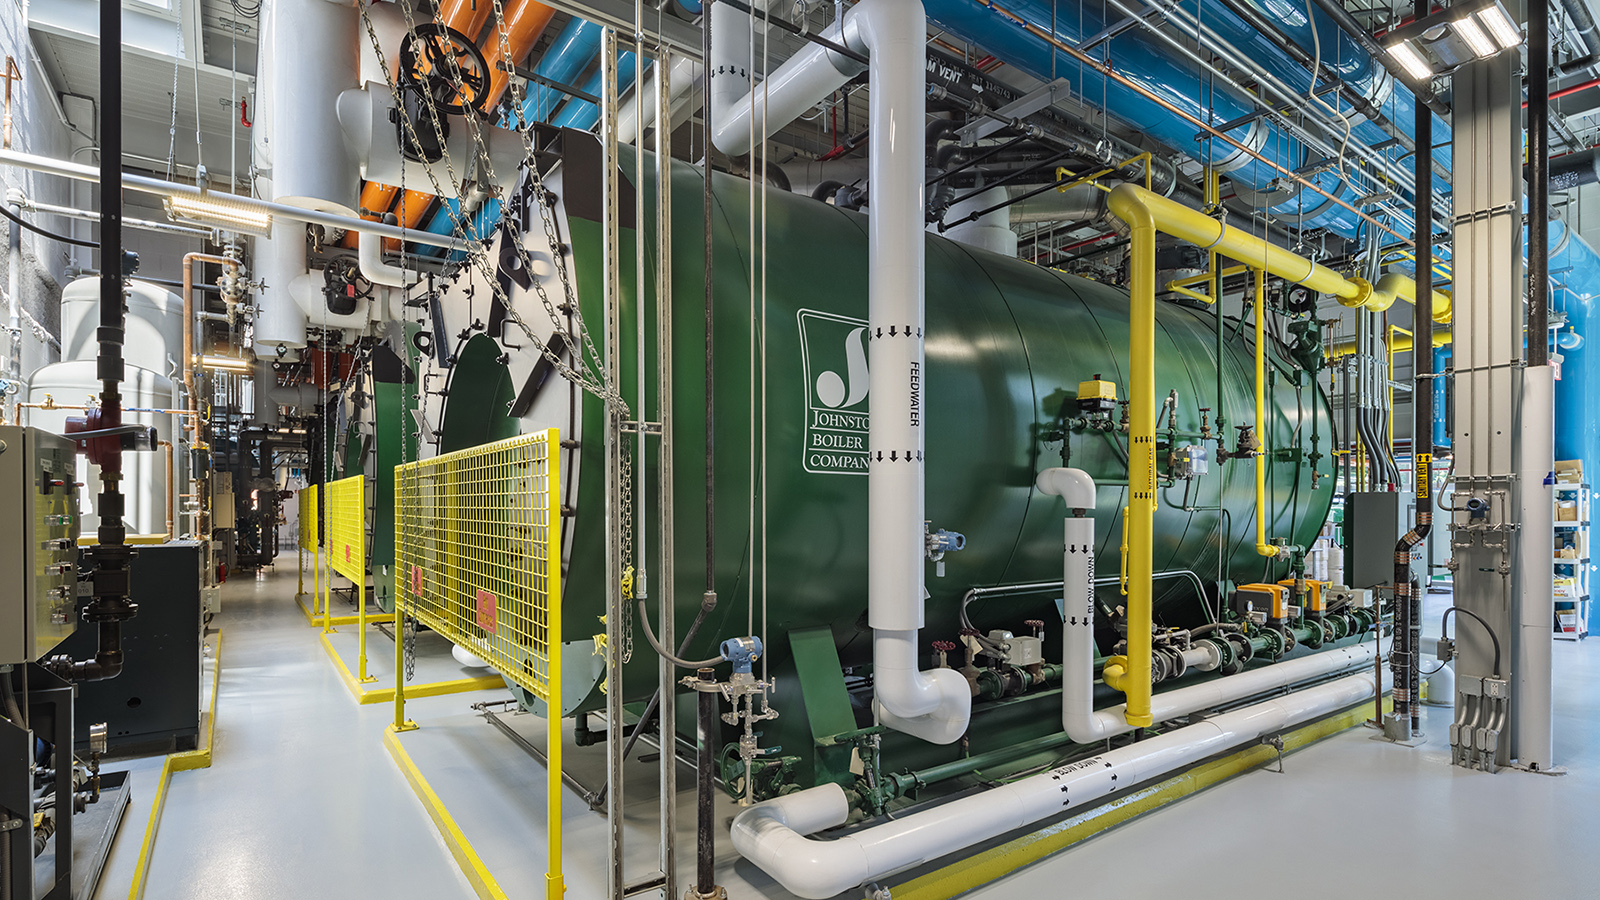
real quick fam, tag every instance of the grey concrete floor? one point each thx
(303, 800)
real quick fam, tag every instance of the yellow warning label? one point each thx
(1424, 460)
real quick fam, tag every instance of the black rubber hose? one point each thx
(6, 211)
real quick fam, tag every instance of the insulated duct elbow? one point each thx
(935, 705)
(369, 256)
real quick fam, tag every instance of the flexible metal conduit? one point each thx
(774, 834)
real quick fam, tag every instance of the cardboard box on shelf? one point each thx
(1569, 471)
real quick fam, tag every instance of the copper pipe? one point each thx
(51, 404)
(189, 260)
(1106, 69)
(171, 498)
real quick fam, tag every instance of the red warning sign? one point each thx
(487, 610)
(416, 580)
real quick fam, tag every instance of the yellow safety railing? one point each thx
(347, 551)
(309, 510)
(478, 557)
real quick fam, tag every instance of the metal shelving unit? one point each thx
(1572, 509)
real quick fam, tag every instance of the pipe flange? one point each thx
(1364, 293)
(1313, 640)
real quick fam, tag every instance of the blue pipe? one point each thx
(1138, 58)
(1441, 396)
(571, 52)
(581, 114)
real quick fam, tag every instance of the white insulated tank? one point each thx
(154, 331)
(153, 346)
(144, 481)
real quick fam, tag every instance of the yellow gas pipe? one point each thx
(1263, 547)
(1147, 213)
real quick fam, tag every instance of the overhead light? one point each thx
(227, 364)
(1505, 31)
(1411, 60)
(1439, 43)
(1467, 28)
(217, 212)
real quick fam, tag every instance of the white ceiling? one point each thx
(68, 47)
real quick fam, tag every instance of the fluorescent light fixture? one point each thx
(226, 363)
(1467, 29)
(1411, 61)
(1499, 24)
(217, 212)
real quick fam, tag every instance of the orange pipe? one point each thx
(375, 201)
(409, 211)
(525, 21)
(468, 16)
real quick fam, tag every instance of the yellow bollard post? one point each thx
(555, 880)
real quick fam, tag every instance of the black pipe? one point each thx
(711, 431)
(705, 786)
(1538, 187)
(1407, 612)
(110, 554)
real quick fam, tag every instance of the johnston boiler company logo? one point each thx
(833, 359)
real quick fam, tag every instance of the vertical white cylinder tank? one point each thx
(144, 480)
(154, 332)
(153, 348)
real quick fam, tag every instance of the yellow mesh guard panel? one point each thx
(308, 517)
(478, 551)
(347, 527)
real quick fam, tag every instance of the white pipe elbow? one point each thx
(772, 834)
(369, 255)
(1075, 486)
(935, 705)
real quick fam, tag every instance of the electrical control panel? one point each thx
(38, 542)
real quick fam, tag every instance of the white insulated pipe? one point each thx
(1533, 742)
(934, 705)
(774, 834)
(937, 704)
(741, 115)
(684, 76)
(369, 256)
(1085, 724)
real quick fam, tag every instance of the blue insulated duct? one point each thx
(572, 52)
(1140, 59)
(581, 114)
(569, 54)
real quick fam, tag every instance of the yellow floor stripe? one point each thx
(198, 758)
(996, 863)
(466, 858)
(427, 689)
(315, 620)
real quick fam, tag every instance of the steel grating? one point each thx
(478, 545)
(347, 527)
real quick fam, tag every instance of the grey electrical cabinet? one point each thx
(1374, 522)
(38, 542)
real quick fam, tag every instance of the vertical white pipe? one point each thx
(1536, 589)
(934, 705)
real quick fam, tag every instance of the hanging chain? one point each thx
(478, 254)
